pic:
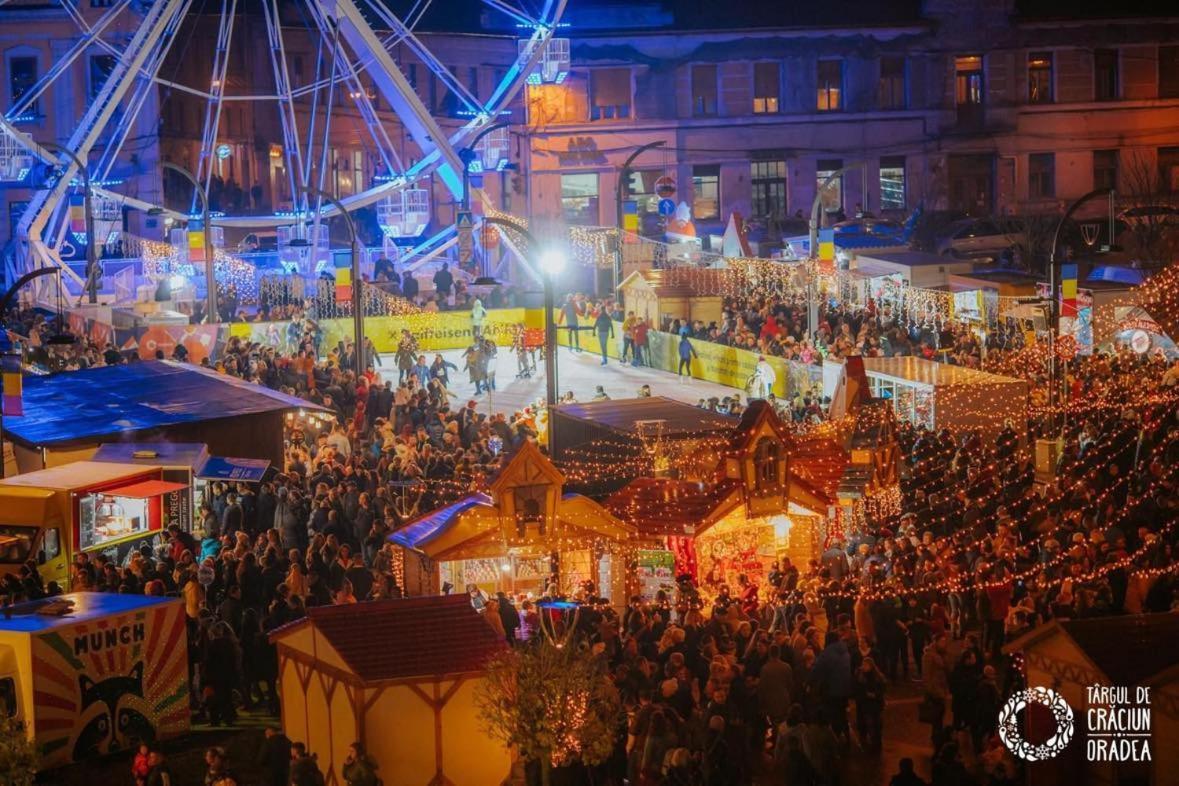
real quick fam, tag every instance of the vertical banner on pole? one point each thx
(1068, 291)
(196, 241)
(827, 251)
(78, 217)
(10, 371)
(343, 282)
(630, 221)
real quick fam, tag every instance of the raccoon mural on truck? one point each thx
(106, 686)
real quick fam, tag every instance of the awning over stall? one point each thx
(145, 489)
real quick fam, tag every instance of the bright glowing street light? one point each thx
(552, 261)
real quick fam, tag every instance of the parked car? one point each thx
(981, 237)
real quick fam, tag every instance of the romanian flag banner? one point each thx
(78, 214)
(343, 284)
(10, 373)
(1068, 291)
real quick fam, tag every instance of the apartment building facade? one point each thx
(978, 106)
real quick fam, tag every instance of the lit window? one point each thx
(706, 192)
(892, 183)
(1040, 78)
(766, 86)
(610, 94)
(767, 177)
(830, 98)
(968, 81)
(579, 198)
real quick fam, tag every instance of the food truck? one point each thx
(94, 673)
(87, 506)
(188, 463)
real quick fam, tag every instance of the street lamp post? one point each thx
(813, 251)
(1054, 302)
(550, 263)
(619, 198)
(357, 285)
(92, 274)
(207, 229)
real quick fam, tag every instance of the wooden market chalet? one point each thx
(770, 494)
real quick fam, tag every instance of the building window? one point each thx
(1168, 158)
(892, 183)
(831, 198)
(609, 94)
(766, 88)
(1041, 175)
(1040, 78)
(767, 176)
(22, 75)
(1105, 75)
(891, 92)
(101, 67)
(968, 88)
(1105, 169)
(1169, 72)
(767, 458)
(703, 90)
(706, 192)
(830, 97)
(579, 198)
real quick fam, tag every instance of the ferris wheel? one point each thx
(366, 56)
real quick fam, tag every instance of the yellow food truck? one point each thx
(87, 506)
(94, 673)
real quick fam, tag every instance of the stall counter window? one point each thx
(123, 513)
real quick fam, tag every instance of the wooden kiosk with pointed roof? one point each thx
(767, 498)
(513, 540)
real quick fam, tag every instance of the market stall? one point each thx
(88, 506)
(186, 463)
(398, 676)
(940, 395)
(767, 499)
(513, 540)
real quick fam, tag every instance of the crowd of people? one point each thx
(722, 684)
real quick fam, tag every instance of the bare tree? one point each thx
(1151, 235)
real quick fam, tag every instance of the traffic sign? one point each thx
(464, 225)
(667, 207)
(665, 186)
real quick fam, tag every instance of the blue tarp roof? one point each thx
(87, 606)
(77, 406)
(428, 526)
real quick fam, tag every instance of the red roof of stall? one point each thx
(408, 637)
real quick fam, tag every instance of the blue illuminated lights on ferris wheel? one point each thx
(141, 36)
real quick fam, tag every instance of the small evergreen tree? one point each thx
(554, 704)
